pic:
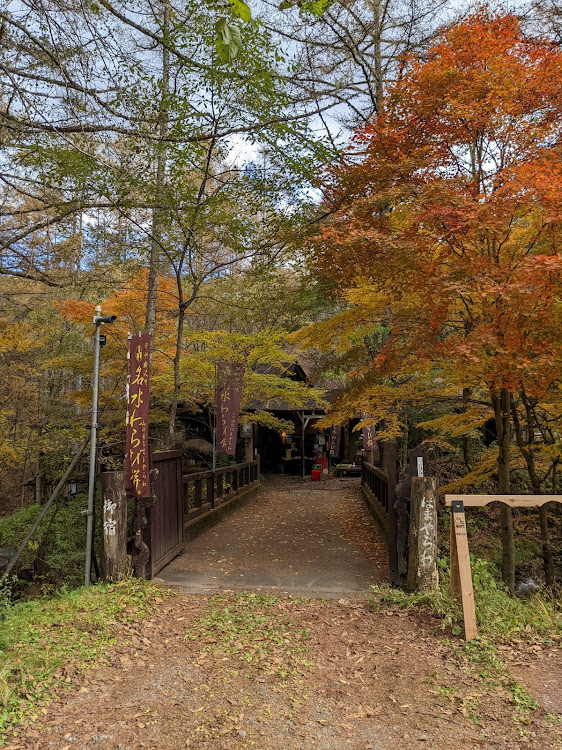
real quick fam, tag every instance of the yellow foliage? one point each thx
(461, 424)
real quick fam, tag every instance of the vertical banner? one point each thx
(228, 399)
(369, 442)
(137, 469)
(335, 441)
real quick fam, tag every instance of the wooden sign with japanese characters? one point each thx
(369, 441)
(228, 400)
(137, 469)
(335, 441)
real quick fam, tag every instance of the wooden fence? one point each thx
(378, 488)
(159, 526)
(375, 481)
(207, 489)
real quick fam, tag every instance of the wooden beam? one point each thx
(515, 501)
(303, 465)
(390, 455)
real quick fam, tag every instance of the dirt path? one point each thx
(298, 537)
(254, 671)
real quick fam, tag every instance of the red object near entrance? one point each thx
(315, 475)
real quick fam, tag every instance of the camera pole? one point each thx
(99, 320)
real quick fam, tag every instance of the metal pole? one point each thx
(93, 450)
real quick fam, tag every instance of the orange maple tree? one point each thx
(449, 207)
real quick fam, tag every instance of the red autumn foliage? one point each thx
(450, 202)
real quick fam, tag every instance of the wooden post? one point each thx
(422, 541)
(390, 455)
(249, 448)
(455, 580)
(461, 576)
(303, 460)
(369, 455)
(114, 526)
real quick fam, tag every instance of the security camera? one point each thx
(101, 319)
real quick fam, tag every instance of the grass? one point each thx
(40, 639)
(55, 555)
(500, 616)
(250, 636)
(256, 630)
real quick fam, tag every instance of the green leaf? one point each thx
(241, 9)
(229, 40)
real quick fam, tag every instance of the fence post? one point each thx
(211, 489)
(390, 456)
(422, 541)
(114, 526)
(248, 448)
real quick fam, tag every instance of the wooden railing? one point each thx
(379, 490)
(207, 489)
(375, 480)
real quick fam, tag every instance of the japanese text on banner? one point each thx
(335, 441)
(137, 469)
(369, 441)
(228, 399)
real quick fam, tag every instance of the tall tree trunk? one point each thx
(547, 553)
(177, 360)
(467, 442)
(548, 558)
(157, 211)
(377, 50)
(502, 410)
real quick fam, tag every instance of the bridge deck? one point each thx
(297, 537)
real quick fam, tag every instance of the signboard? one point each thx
(228, 399)
(369, 441)
(137, 469)
(419, 463)
(335, 441)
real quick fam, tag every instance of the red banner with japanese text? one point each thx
(369, 441)
(137, 468)
(228, 399)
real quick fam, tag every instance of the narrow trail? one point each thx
(297, 537)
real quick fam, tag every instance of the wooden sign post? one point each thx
(114, 526)
(422, 539)
(461, 576)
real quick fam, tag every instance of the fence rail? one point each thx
(207, 489)
(390, 512)
(376, 481)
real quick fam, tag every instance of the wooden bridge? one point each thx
(186, 505)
